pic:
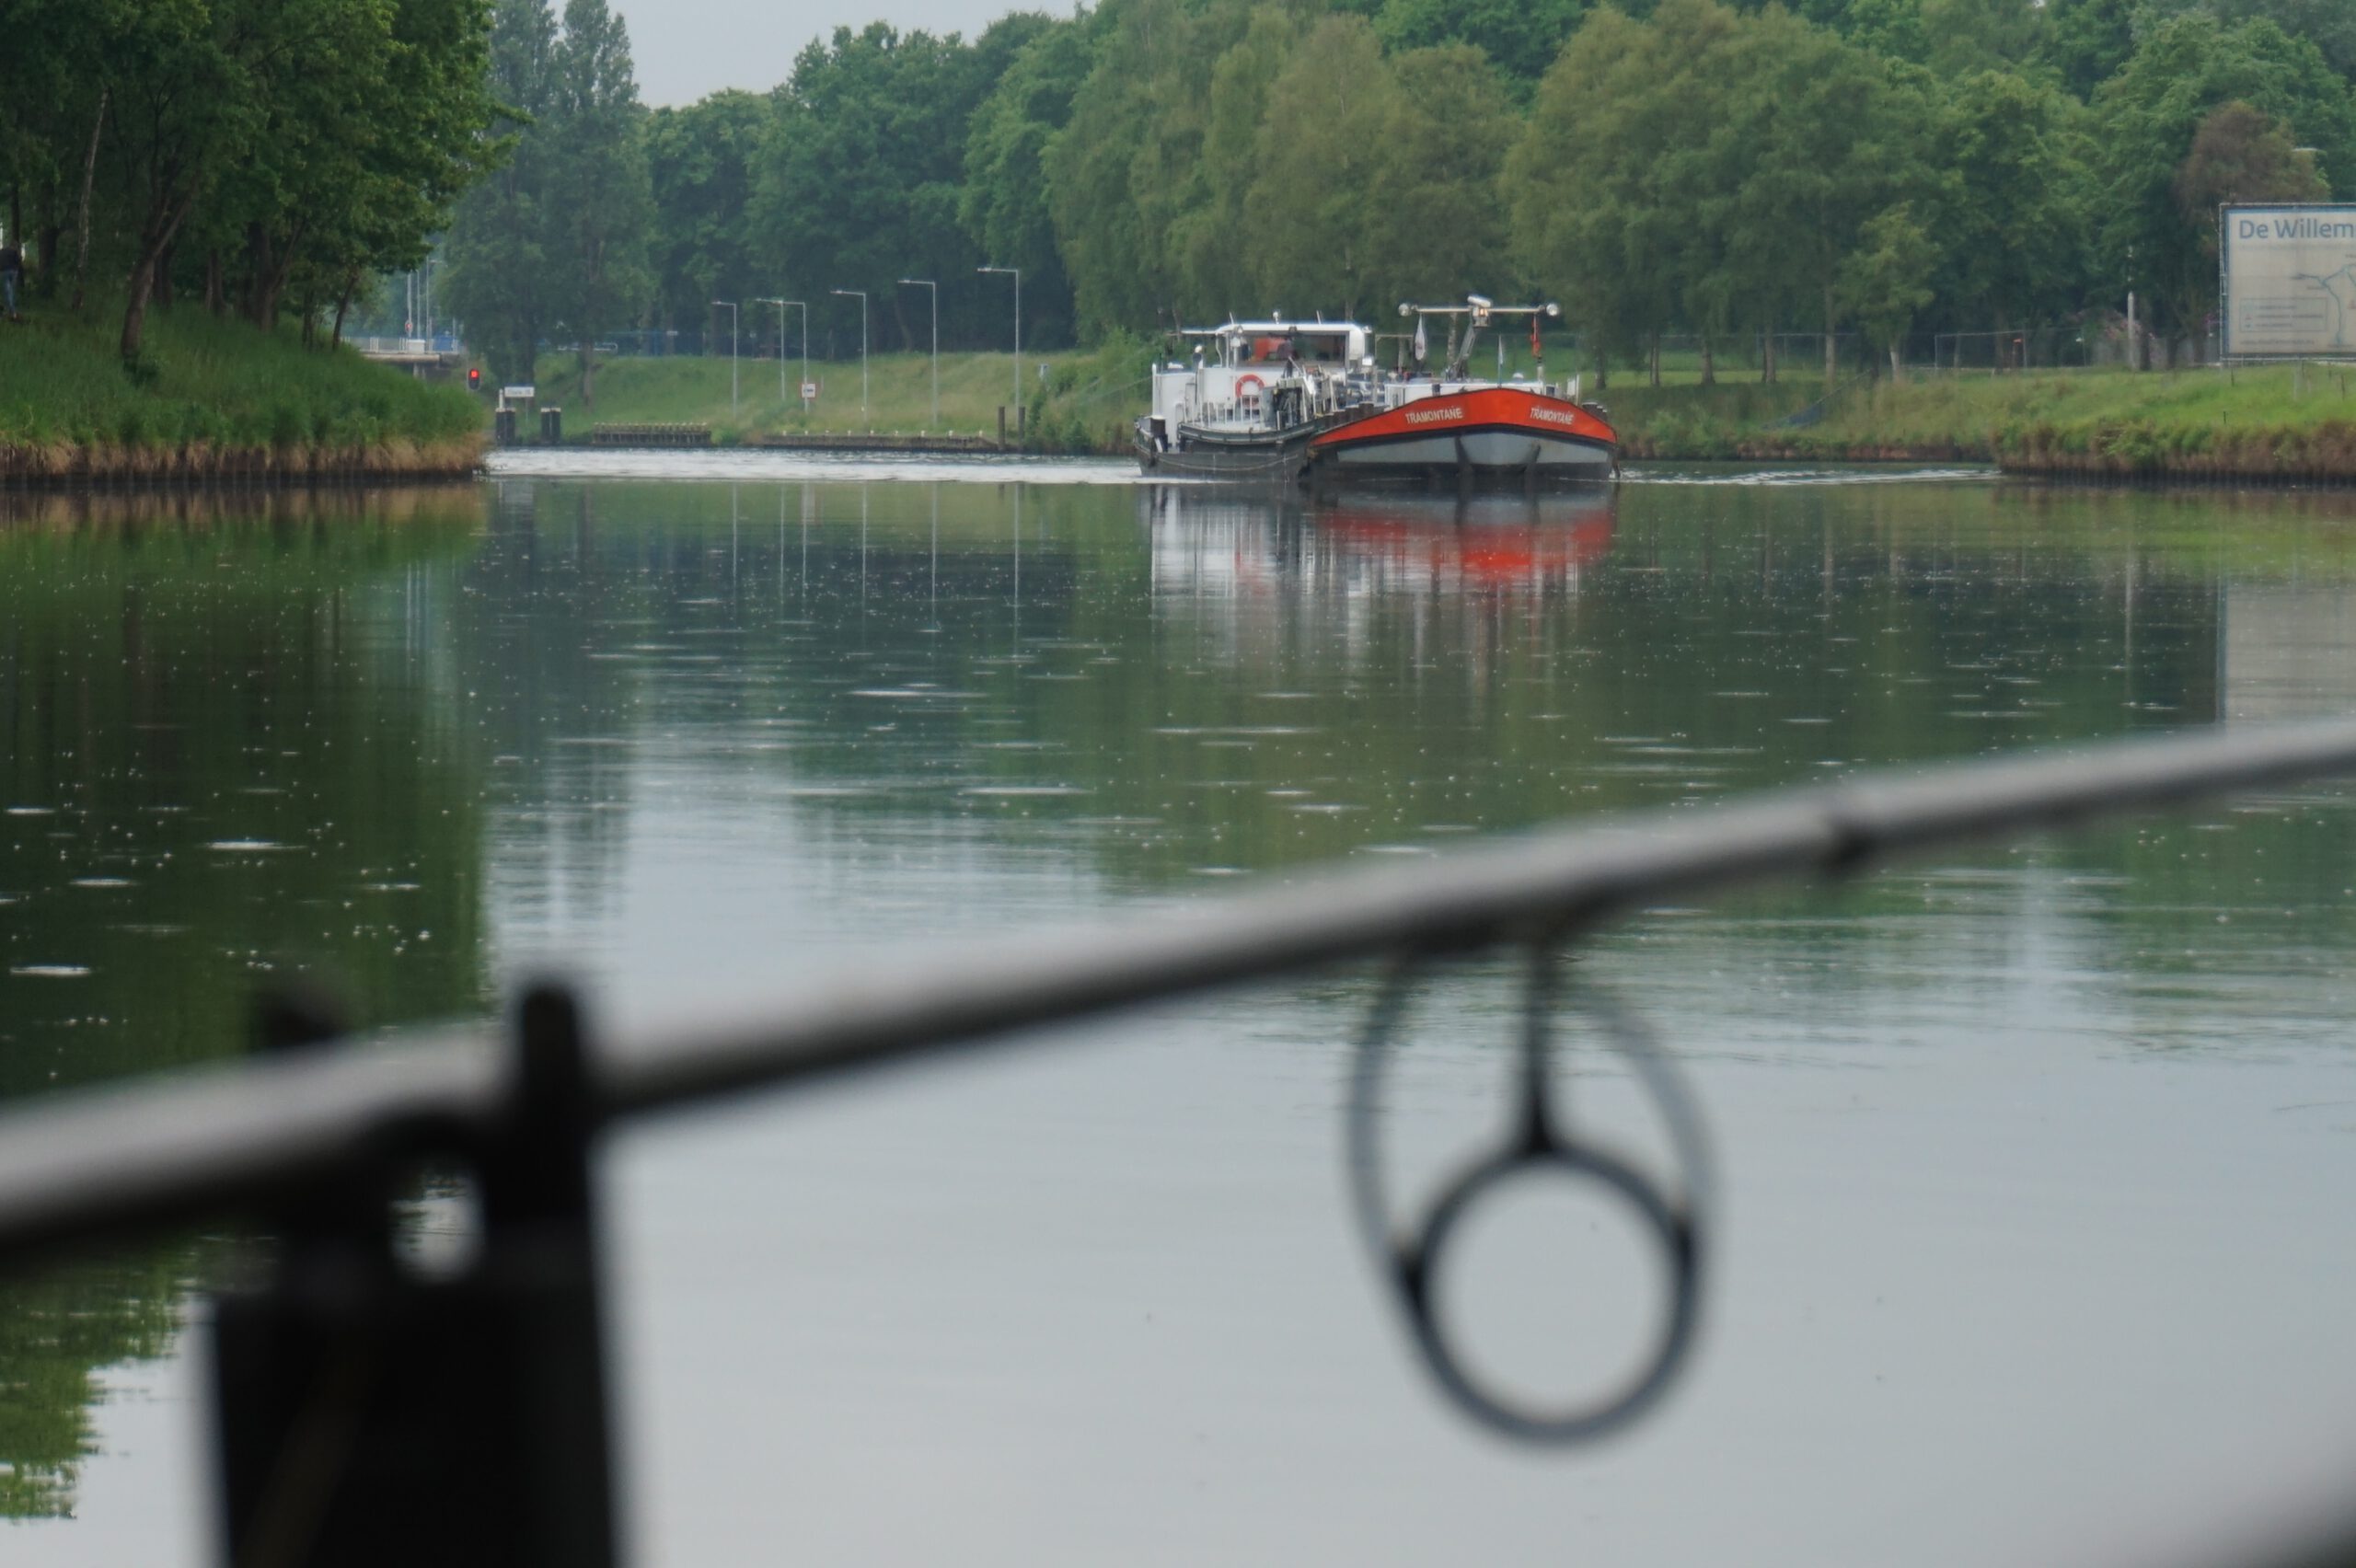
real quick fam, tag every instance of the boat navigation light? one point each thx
(1553, 308)
(1477, 302)
(1406, 310)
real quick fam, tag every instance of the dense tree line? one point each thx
(557, 242)
(1719, 167)
(268, 156)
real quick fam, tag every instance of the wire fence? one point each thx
(1676, 358)
(2099, 343)
(2095, 342)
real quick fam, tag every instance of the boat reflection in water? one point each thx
(1208, 540)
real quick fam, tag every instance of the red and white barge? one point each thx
(1436, 434)
(1276, 402)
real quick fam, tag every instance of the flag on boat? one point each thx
(1537, 350)
(1423, 349)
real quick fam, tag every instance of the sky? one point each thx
(686, 48)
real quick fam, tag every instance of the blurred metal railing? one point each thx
(348, 1386)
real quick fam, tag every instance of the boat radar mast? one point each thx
(1482, 311)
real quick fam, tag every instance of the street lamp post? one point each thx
(799, 305)
(861, 295)
(780, 304)
(732, 352)
(1016, 272)
(929, 283)
(781, 348)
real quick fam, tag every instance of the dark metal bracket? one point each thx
(1541, 1141)
(371, 1416)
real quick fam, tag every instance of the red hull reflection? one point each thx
(1483, 542)
(1213, 539)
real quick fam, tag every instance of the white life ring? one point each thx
(1253, 382)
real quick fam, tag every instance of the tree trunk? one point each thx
(1709, 361)
(89, 176)
(165, 215)
(1656, 359)
(1896, 375)
(271, 261)
(1767, 354)
(262, 295)
(164, 280)
(134, 310)
(1831, 349)
(342, 304)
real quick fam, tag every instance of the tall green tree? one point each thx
(2011, 215)
(1435, 190)
(1215, 238)
(1965, 36)
(497, 254)
(1885, 281)
(2088, 40)
(360, 154)
(276, 149)
(600, 201)
(1818, 138)
(60, 80)
(1315, 240)
(858, 181)
(196, 82)
(1588, 219)
(1126, 172)
(1520, 38)
(1003, 206)
(2239, 156)
(2329, 25)
(2146, 120)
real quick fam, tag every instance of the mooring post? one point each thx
(373, 1416)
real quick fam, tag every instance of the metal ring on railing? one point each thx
(1543, 1145)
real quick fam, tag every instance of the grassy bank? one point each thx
(1061, 409)
(216, 398)
(2275, 422)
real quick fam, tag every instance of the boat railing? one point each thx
(367, 1412)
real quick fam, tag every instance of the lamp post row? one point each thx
(930, 284)
(798, 305)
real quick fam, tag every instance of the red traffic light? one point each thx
(474, 378)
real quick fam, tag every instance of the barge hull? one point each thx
(1491, 435)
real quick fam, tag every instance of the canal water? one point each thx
(2033, 1161)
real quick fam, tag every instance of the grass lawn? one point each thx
(211, 391)
(1976, 403)
(2258, 420)
(694, 390)
(2274, 419)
